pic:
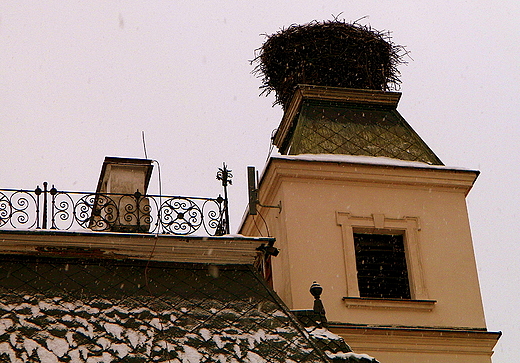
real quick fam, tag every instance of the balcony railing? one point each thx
(62, 210)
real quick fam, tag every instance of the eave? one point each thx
(213, 250)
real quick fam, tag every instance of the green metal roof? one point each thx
(330, 127)
(333, 120)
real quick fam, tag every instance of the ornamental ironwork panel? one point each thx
(63, 210)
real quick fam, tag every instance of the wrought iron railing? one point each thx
(62, 210)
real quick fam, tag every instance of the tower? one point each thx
(369, 211)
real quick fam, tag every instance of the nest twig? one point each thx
(331, 53)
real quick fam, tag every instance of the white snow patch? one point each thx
(13, 338)
(218, 341)
(44, 305)
(5, 348)
(133, 337)
(46, 356)
(78, 355)
(259, 335)
(75, 356)
(279, 313)
(361, 159)
(104, 342)
(70, 339)
(5, 324)
(35, 311)
(68, 305)
(349, 355)
(156, 323)
(322, 333)
(120, 349)
(283, 330)
(136, 338)
(191, 355)
(30, 346)
(58, 346)
(67, 317)
(205, 334)
(105, 358)
(254, 358)
(88, 309)
(114, 330)
(237, 350)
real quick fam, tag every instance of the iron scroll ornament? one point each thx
(64, 210)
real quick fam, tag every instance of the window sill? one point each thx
(389, 304)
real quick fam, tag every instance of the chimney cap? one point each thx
(109, 161)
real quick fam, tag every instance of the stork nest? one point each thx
(331, 53)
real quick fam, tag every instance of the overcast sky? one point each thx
(80, 80)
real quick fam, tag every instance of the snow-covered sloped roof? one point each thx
(86, 310)
(334, 347)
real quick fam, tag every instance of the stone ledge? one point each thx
(389, 304)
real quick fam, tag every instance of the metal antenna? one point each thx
(144, 146)
(252, 190)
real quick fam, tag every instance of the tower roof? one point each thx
(333, 120)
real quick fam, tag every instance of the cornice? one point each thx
(418, 339)
(217, 250)
(279, 169)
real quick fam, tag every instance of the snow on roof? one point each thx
(334, 347)
(367, 160)
(79, 310)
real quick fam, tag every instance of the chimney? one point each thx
(119, 204)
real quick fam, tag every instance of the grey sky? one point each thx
(81, 80)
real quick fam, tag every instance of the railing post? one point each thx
(137, 196)
(224, 174)
(38, 192)
(53, 193)
(44, 221)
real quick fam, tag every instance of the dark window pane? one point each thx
(381, 266)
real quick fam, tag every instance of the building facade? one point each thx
(84, 279)
(368, 210)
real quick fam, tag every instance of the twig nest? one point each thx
(330, 53)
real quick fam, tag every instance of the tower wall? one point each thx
(326, 199)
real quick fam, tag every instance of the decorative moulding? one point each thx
(389, 304)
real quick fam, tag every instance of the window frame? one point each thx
(404, 283)
(409, 227)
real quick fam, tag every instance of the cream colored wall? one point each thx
(126, 179)
(400, 345)
(409, 349)
(311, 244)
